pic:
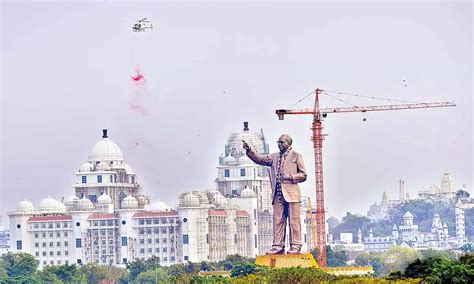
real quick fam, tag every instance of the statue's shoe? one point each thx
(273, 251)
(293, 251)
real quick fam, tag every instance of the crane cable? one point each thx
(349, 94)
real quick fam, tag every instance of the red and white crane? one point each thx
(318, 115)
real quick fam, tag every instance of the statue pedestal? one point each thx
(286, 260)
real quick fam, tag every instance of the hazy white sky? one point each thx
(66, 68)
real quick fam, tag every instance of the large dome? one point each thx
(49, 204)
(255, 139)
(129, 202)
(25, 206)
(159, 207)
(105, 150)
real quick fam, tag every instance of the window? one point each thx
(99, 179)
(58, 244)
(43, 244)
(37, 253)
(36, 235)
(124, 241)
(226, 173)
(78, 243)
(43, 235)
(51, 234)
(44, 253)
(186, 257)
(185, 240)
(36, 225)
(66, 262)
(51, 253)
(58, 225)
(124, 261)
(149, 241)
(150, 250)
(242, 172)
(51, 244)
(84, 179)
(142, 250)
(66, 243)
(58, 253)
(66, 253)
(79, 261)
(58, 234)
(36, 245)
(65, 234)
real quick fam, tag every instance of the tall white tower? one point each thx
(401, 195)
(460, 230)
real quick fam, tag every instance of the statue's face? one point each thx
(283, 143)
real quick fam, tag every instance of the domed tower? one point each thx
(194, 227)
(106, 172)
(20, 237)
(236, 171)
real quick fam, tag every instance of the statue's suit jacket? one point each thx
(293, 166)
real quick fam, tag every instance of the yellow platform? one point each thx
(286, 260)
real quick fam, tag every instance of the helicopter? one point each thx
(142, 25)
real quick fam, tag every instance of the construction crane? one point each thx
(318, 115)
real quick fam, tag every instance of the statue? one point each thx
(287, 170)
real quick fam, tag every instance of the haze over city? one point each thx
(211, 66)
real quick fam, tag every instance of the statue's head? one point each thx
(284, 142)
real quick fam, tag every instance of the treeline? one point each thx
(434, 267)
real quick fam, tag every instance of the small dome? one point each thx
(104, 199)
(25, 206)
(247, 192)
(190, 200)
(128, 169)
(105, 150)
(436, 215)
(129, 202)
(85, 204)
(71, 200)
(86, 167)
(141, 199)
(229, 160)
(104, 166)
(244, 160)
(159, 207)
(49, 204)
(202, 197)
(407, 215)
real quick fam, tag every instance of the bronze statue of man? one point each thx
(287, 170)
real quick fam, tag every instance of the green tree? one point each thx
(19, 266)
(138, 266)
(440, 270)
(351, 224)
(397, 258)
(94, 273)
(45, 276)
(246, 268)
(431, 253)
(152, 276)
(334, 258)
(65, 272)
(370, 259)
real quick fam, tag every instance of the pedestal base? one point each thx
(286, 260)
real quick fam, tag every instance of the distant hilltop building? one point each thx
(110, 221)
(445, 191)
(407, 234)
